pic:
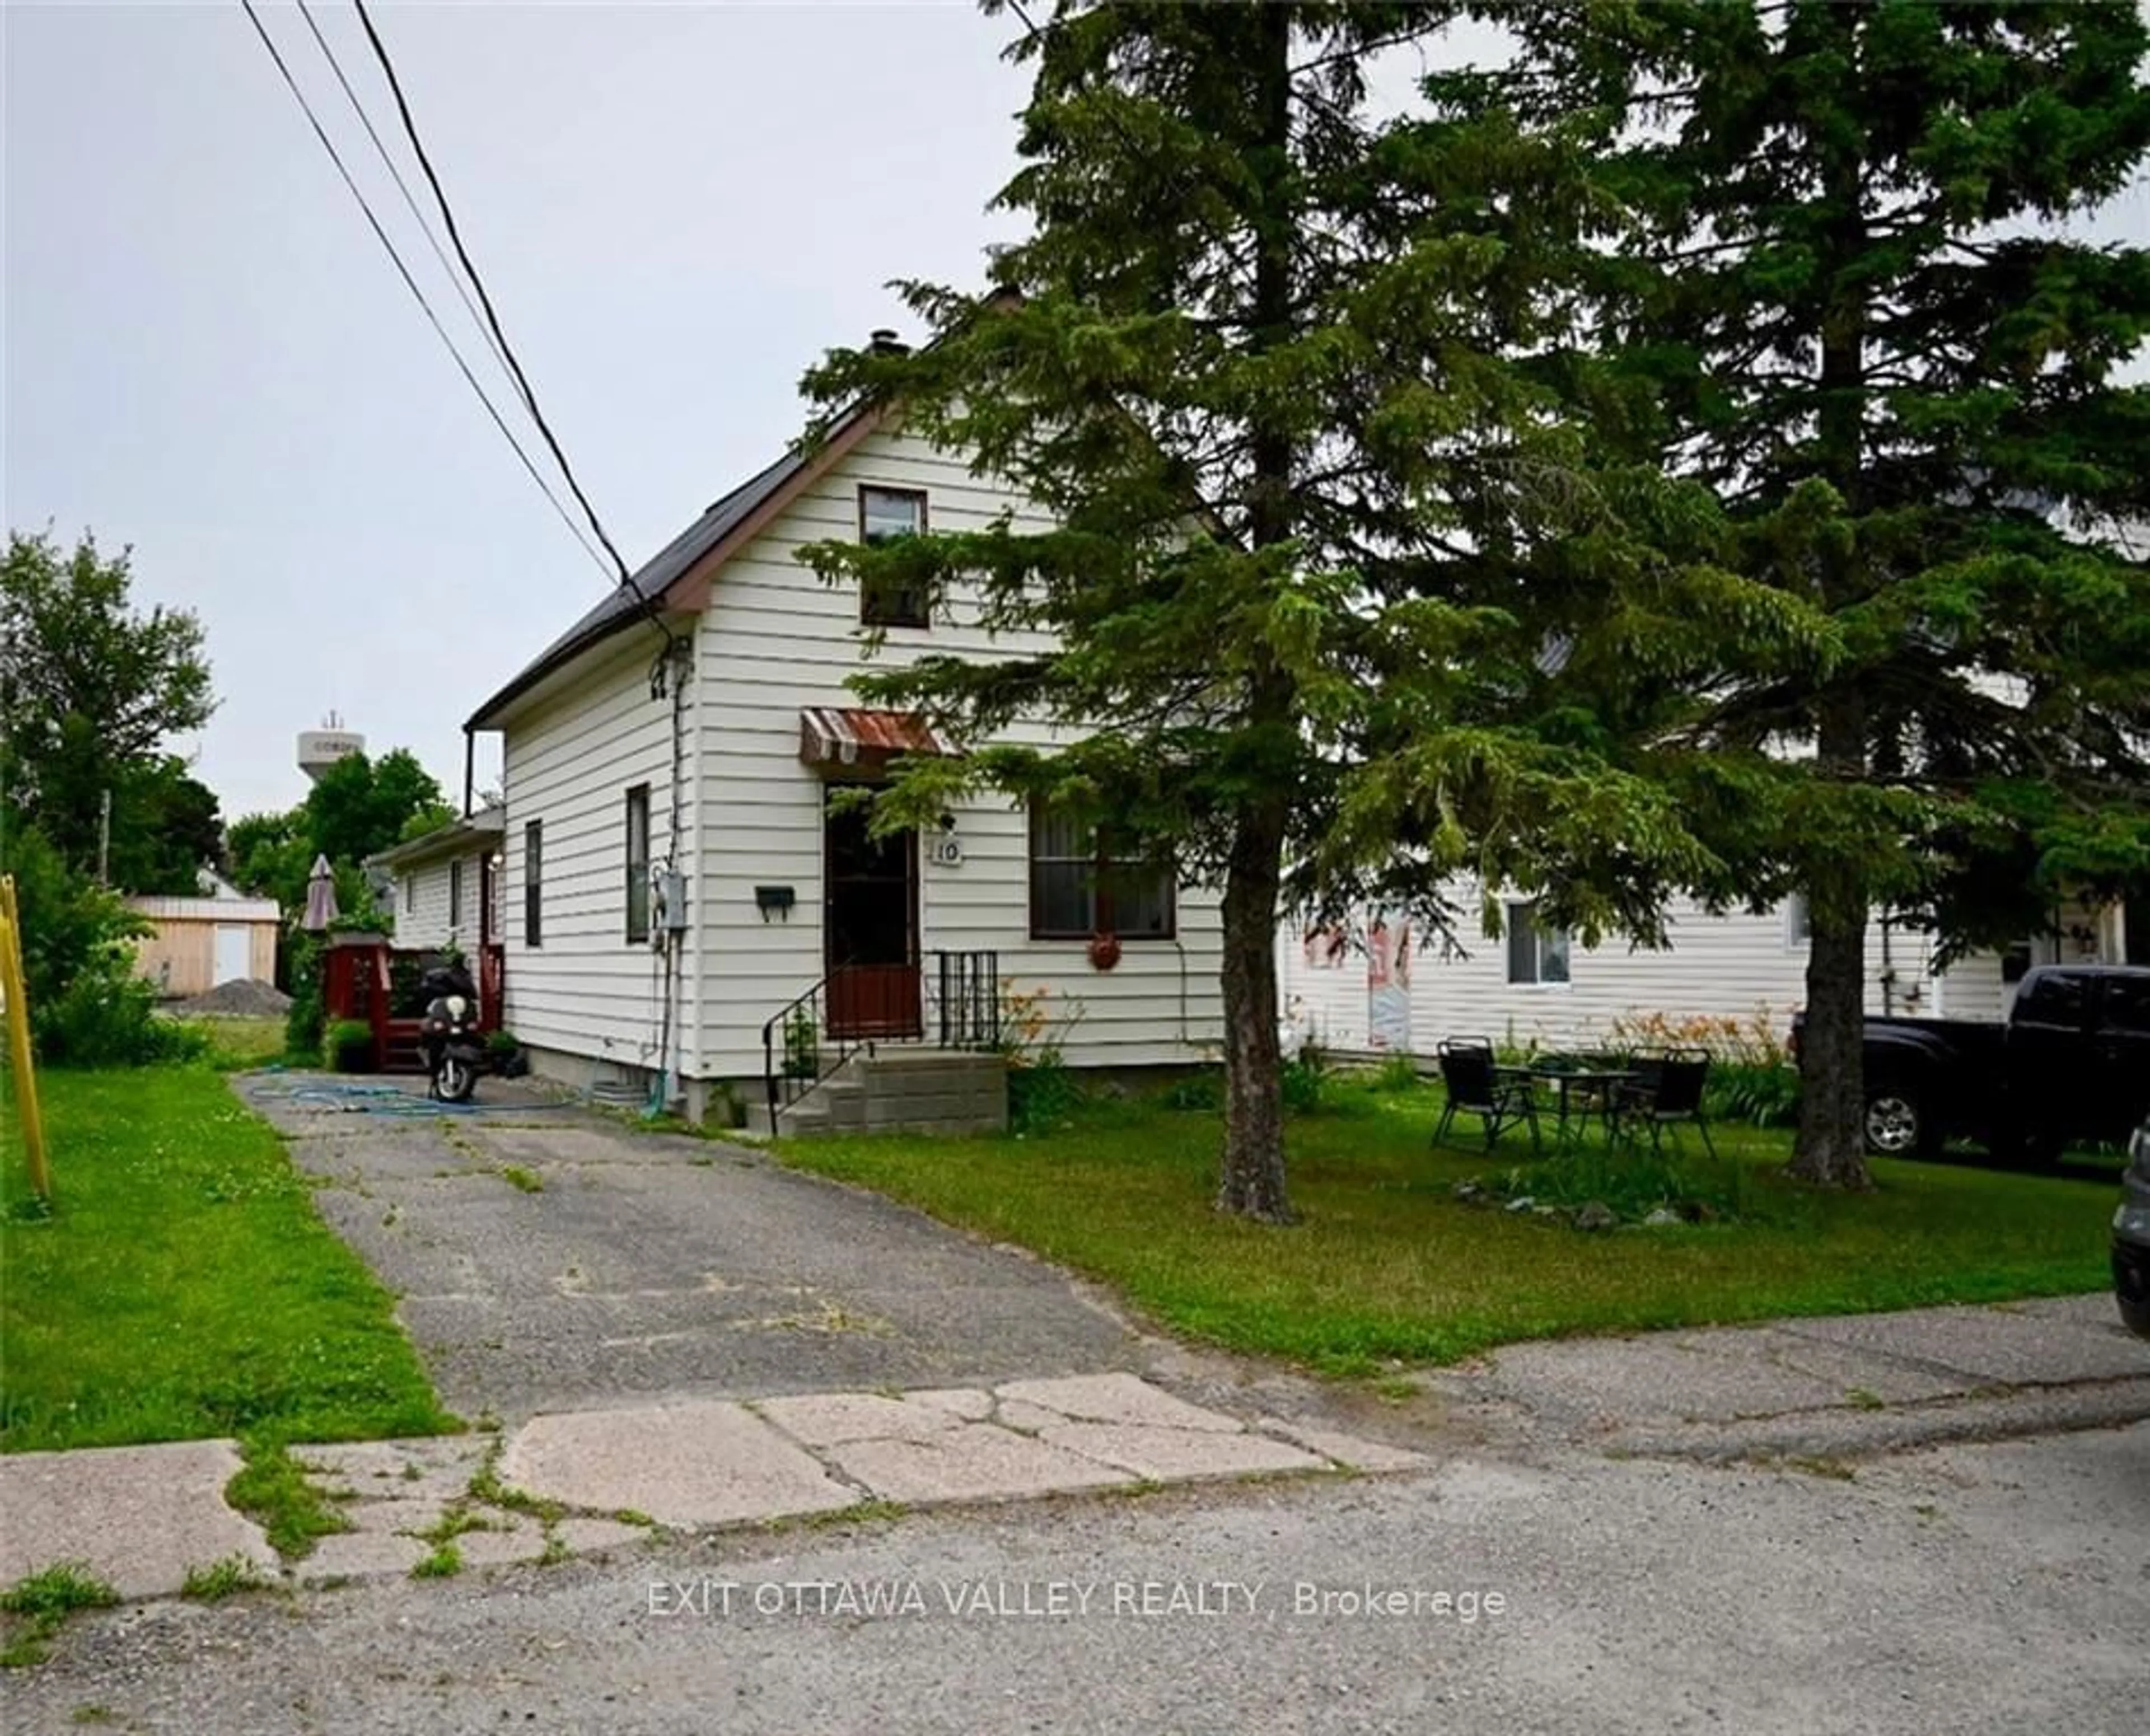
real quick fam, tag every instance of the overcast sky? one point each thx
(208, 356)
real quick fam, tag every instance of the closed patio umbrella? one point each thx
(320, 897)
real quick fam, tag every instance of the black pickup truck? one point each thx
(2072, 1063)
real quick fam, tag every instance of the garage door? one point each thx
(233, 952)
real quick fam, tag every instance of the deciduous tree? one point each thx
(93, 688)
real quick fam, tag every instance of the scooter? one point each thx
(454, 1052)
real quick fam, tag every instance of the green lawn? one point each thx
(1387, 1265)
(184, 1286)
(238, 1040)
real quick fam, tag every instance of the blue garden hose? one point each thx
(355, 1099)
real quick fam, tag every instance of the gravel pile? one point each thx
(240, 999)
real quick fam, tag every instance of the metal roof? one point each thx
(159, 909)
(848, 735)
(621, 606)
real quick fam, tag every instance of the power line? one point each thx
(493, 318)
(403, 187)
(411, 284)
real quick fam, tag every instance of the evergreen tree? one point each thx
(1845, 279)
(1329, 569)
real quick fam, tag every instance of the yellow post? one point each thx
(18, 1037)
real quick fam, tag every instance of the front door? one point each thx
(870, 929)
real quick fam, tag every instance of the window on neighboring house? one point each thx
(885, 515)
(637, 863)
(455, 896)
(409, 893)
(533, 882)
(1799, 921)
(1536, 953)
(1078, 888)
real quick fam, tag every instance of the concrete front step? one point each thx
(898, 1089)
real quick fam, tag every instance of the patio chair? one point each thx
(1475, 1086)
(1666, 1090)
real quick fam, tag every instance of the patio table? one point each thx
(1581, 1094)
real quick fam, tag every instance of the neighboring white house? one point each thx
(444, 887)
(722, 750)
(1373, 985)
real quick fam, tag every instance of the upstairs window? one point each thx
(885, 515)
(637, 863)
(1079, 888)
(1535, 954)
(454, 894)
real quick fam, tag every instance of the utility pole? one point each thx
(103, 837)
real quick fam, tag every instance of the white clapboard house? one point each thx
(784, 940)
(1374, 986)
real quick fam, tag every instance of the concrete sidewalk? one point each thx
(572, 1482)
(576, 1483)
(1841, 1384)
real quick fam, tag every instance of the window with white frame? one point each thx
(454, 894)
(887, 515)
(1537, 953)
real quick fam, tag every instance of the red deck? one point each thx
(358, 981)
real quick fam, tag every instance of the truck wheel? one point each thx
(1896, 1122)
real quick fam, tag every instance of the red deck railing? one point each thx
(360, 979)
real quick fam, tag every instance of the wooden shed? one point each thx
(201, 942)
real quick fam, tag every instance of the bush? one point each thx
(87, 1006)
(304, 1022)
(1758, 1040)
(1042, 1093)
(348, 1048)
(107, 1017)
(1768, 1097)
(1751, 1077)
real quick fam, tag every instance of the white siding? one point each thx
(425, 917)
(775, 639)
(586, 989)
(1737, 966)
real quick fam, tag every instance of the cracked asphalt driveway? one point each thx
(548, 1260)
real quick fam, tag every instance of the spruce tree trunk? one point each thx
(1831, 1146)
(1252, 1185)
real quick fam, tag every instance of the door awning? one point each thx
(834, 737)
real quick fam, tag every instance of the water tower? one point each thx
(321, 749)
